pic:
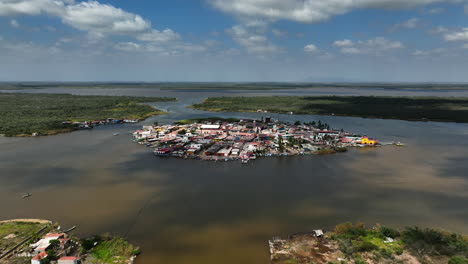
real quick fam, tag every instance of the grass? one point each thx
(24, 114)
(404, 108)
(20, 230)
(114, 251)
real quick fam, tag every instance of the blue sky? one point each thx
(234, 40)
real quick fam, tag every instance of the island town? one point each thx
(230, 139)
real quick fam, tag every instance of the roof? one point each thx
(54, 235)
(68, 258)
(40, 256)
(210, 126)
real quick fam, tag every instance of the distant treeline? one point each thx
(24, 114)
(404, 108)
(225, 85)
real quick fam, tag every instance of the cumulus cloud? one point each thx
(343, 43)
(251, 39)
(309, 11)
(311, 49)
(375, 46)
(461, 35)
(32, 7)
(99, 20)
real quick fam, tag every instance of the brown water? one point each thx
(183, 211)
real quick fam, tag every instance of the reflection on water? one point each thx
(186, 211)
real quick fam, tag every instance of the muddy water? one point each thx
(183, 211)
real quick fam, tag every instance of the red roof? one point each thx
(68, 258)
(40, 256)
(54, 235)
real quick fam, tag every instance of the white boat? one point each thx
(27, 195)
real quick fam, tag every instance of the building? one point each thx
(38, 259)
(43, 244)
(68, 260)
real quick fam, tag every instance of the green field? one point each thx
(24, 114)
(404, 108)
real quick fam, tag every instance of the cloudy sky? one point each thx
(234, 40)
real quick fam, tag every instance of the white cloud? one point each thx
(32, 7)
(466, 9)
(14, 23)
(311, 49)
(159, 36)
(127, 46)
(252, 40)
(343, 43)
(375, 46)
(279, 33)
(461, 35)
(430, 52)
(436, 10)
(102, 18)
(309, 11)
(465, 46)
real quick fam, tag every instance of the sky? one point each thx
(234, 40)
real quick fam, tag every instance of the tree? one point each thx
(297, 123)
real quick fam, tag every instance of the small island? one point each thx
(49, 114)
(349, 243)
(35, 241)
(402, 108)
(246, 139)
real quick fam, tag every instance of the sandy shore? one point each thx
(40, 221)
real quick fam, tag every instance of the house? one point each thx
(44, 244)
(68, 260)
(38, 259)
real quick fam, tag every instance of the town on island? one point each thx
(246, 139)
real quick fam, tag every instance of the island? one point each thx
(233, 139)
(354, 243)
(403, 108)
(35, 241)
(47, 114)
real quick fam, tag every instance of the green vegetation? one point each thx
(205, 119)
(404, 108)
(114, 250)
(24, 114)
(12, 233)
(356, 239)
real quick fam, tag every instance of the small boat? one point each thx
(70, 229)
(115, 134)
(399, 144)
(27, 195)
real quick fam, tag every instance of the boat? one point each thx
(70, 229)
(399, 144)
(27, 195)
(115, 134)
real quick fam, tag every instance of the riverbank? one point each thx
(402, 108)
(49, 114)
(349, 243)
(23, 240)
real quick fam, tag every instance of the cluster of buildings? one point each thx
(91, 124)
(59, 243)
(245, 139)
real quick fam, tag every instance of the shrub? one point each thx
(458, 260)
(389, 232)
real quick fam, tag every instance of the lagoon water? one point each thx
(188, 211)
